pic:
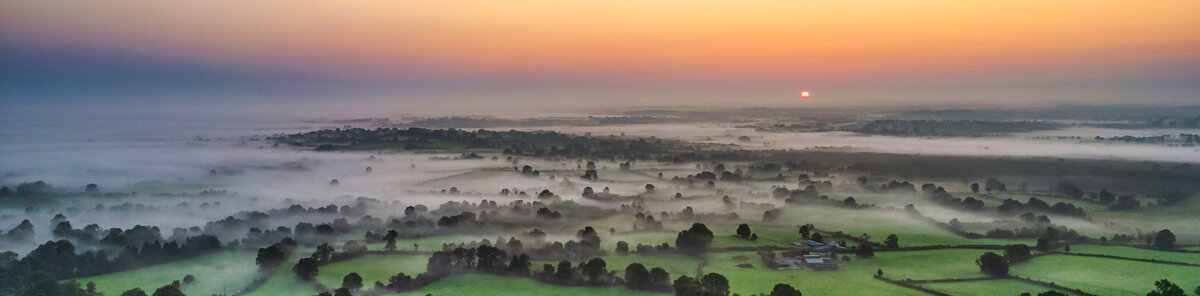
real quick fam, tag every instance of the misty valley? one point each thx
(1082, 200)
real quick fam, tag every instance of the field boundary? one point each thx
(910, 286)
(942, 247)
(259, 281)
(1127, 258)
(1145, 247)
(1051, 285)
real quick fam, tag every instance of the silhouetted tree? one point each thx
(1164, 287)
(695, 240)
(306, 268)
(637, 277)
(784, 290)
(743, 230)
(660, 278)
(622, 248)
(1164, 239)
(865, 251)
(168, 290)
(1016, 252)
(892, 241)
(564, 273)
(352, 281)
(270, 257)
(992, 264)
(594, 268)
(134, 292)
(519, 265)
(715, 283)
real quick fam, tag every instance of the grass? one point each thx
(1178, 218)
(491, 285)
(1132, 252)
(854, 277)
(218, 273)
(1106, 276)
(927, 264)
(372, 268)
(1005, 287)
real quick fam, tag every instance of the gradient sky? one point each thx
(567, 53)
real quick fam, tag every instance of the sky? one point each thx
(463, 55)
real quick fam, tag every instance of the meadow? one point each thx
(1105, 276)
(492, 285)
(1131, 252)
(219, 273)
(371, 268)
(1001, 287)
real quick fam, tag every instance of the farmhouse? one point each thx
(820, 263)
(818, 247)
(816, 255)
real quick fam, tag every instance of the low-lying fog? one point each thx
(1034, 144)
(190, 155)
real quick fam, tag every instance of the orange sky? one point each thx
(822, 42)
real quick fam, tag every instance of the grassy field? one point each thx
(677, 265)
(372, 268)
(491, 285)
(1006, 287)
(1177, 218)
(218, 273)
(877, 224)
(925, 265)
(855, 276)
(1132, 252)
(1106, 276)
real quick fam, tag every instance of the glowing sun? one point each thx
(804, 94)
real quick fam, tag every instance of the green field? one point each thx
(926, 265)
(1177, 218)
(491, 285)
(1005, 287)
(1105, 276)
(853, 278)
(372, 268)
(1138, 253)
(219, 273)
